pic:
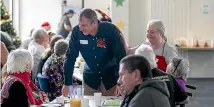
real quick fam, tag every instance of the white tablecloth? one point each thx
(92, 102)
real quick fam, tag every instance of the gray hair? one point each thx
(89, 14)
(25, 43)
(37, 33)
(146, 51)
(19, 60)
(159, 26)
(60, 47)
(178, 67)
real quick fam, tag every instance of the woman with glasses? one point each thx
(179, 68)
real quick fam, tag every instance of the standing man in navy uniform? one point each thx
(102, 49)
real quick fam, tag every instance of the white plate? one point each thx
(51, 105)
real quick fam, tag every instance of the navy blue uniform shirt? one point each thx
(102, 54)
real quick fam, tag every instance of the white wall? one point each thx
(202, 25)
(120, 17)
(98, 4)
(76, 5)
(184, 18)
(34, 12)
(138, 18)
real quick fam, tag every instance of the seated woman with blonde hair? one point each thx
(18, 88)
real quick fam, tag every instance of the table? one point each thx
(201, 61)
(92, 102)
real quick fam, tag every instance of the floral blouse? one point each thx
(53, 69)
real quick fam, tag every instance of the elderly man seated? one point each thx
(135, 81)
(177, 94)
(36, 48)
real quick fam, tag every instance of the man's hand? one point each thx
(65, 90)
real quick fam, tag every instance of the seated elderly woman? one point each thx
(179, 68)
(53, 69)
(18, 89)
(177, 94)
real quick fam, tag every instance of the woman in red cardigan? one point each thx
(18, 89)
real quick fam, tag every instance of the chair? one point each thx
(188, 93)
(43, 82)
(132, 49)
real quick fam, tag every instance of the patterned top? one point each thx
(53, 69)
(8, 83)
(39, 96)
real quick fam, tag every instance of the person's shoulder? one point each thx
(17, 85)
(76, 29)
(158, 72)
(2, 43)
(170, 47)
(65, 17)
(50, 59)
(3, 46)
(107, 25)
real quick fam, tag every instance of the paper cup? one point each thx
(97, 99)
(84, 102)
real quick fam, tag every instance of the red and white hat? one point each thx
(105, 17)
(45, 24)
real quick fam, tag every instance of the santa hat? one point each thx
(45, 24)
(105, 17)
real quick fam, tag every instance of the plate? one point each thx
(51, 105)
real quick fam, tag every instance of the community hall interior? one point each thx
(188, 27)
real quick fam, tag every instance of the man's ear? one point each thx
(137, 74)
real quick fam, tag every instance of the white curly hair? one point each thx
(19, 60)
(179, 68)
(146, 51)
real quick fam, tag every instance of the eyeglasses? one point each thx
(176, 66)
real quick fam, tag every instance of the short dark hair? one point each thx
(89, 14)
(134, 62)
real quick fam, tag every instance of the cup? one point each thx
(97, 99)
(76, 91)
(60, 100)
(75, 103)
(85, 102)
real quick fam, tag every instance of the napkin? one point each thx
(112, 102)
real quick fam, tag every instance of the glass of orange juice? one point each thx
(75, 103)
(75, 95)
